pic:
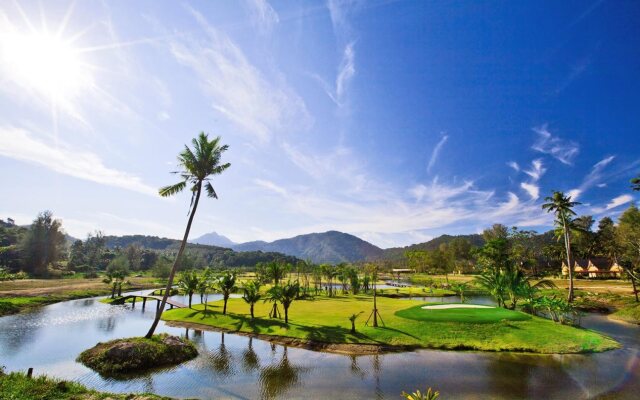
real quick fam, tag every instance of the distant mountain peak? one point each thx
(214, 239)
(325, 247)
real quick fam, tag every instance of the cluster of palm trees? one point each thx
(205, 282)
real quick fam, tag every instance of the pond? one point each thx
(231, 366)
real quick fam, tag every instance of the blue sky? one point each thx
(393, 121)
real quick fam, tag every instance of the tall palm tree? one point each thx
(562, 206)
(198, 165)
(188, 283)
(251, 294)
(226, 285)
(288, 295)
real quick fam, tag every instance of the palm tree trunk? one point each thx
(175, 265)
(224, 309)
(190, 296)
(375, 307)
(251, 309)
(286, 314)
(567, 244)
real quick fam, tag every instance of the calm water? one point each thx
(237, 367)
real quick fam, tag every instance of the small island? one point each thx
(138, 354)
(323, 324)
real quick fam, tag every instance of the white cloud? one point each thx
(574, 194)
(271, 186)
(533, 190)
(239, 90)
(514, 165)
(536, 171)
(21, 145)
(618, 201)
(346, 71)
(595, 175)
(562, 150)
(436, 152)
(263, 16)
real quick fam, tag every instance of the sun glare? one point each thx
(44, 63)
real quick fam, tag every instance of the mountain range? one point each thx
(329, 247)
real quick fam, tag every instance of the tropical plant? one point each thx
(628, 237)
(276, 271)
(418, 395)
(635, 183)
(274, 295)
(288, 294)
(251, 294)
(562, 207)
(226, 284)
(197, 166)
(205, 284)
(188, 283)
(353, 318)
(42, 244)
(460, 288)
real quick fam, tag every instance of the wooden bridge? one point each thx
(145, 297)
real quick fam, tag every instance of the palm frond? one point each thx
(172, 189)
(210, 190)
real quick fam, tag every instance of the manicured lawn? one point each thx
(326, 320)
(463, 315)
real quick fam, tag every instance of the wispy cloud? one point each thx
(346, 71)
(263, 16)
(532, 189)
(20, 145)
(514, 165)
(270, 185)
(436, 152)
(592, 178)
(615, 202)
(536, 171)
(240, 92)
(562, 150)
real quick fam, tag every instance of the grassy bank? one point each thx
(629, 313)
(16, 386)
(325, 320)
(23, 295)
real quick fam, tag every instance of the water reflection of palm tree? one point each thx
(107, 324)
(277, 379)
(221, 360)
(376, 372)
(355, 368)
(250, 360)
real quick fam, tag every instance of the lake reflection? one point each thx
(233, 366)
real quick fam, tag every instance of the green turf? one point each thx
(326, 320)
(16, 386)
(463, 315)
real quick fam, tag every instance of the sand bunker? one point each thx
(446, 306)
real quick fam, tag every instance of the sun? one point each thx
(45, 63)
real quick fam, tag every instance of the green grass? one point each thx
(629, 313)
(326, 320)
(463, 315)
(14, 305)
(16, 386)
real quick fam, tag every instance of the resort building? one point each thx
(597, 267)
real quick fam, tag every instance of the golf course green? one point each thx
(323, 323)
